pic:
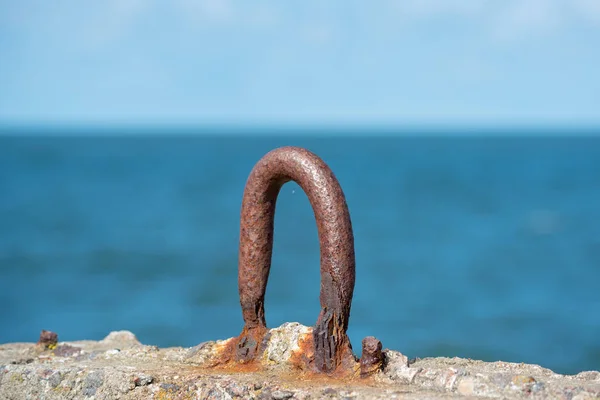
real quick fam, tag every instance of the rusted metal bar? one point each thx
(371, 360)
(336, 239)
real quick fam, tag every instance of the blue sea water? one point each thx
(484, 247)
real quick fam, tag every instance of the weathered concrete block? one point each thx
(120, 367)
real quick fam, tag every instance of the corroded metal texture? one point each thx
(336, 239)
(48, 339)
(371, 360)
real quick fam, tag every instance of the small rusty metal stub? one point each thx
(371, 360)
(48, 339)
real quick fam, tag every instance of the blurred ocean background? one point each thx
(485, 247)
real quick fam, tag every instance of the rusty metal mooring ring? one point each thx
(336, 243)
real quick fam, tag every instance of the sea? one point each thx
(475, 246)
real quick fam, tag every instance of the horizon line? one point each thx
(290, 128)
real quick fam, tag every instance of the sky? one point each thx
(478, 62)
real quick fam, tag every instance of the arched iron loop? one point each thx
(336, 247)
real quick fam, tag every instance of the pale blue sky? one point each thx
(288, 62)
